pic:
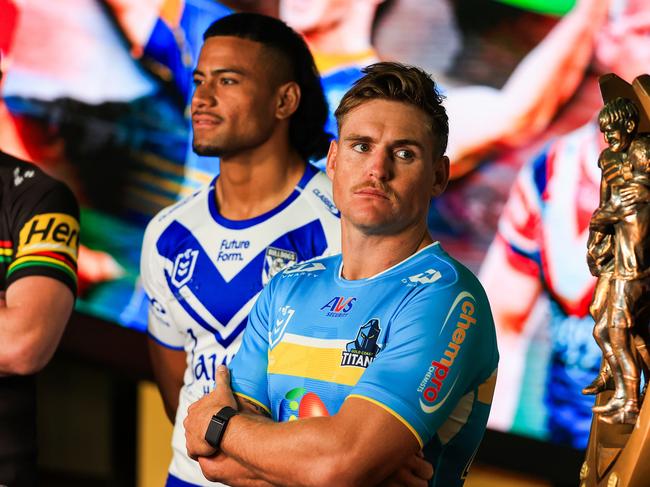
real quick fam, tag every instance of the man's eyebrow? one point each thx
(395, 143)
(412, 142)
(242, 72)
(358, 138)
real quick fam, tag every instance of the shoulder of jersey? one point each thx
(310, 267)
(319, 192)
(435, 272)
(25, 178)
(182, 209)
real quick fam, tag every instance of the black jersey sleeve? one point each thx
(43, 220)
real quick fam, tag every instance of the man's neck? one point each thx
(253, 183)
(365, 255)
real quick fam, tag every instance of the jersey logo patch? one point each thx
(19, 178)
(363, 350)
(338, 306)
(275, 260)
(49, 232)
(305, 267)
(184, 267)
(427, 277)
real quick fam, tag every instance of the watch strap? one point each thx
(218, 424)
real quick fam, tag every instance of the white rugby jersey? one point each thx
(202, 274)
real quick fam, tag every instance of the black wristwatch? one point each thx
(217, 426)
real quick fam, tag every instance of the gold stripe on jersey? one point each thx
(312, 363)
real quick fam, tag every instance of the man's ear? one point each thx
(440, 176)
(330, 166)
(630, 126)
(288, 100)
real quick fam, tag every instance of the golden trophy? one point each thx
(618, 254)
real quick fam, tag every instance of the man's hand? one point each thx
(199, 415)
(416, 472)
(632, 196)
(602, 218)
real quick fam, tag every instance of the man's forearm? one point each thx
(307, 452)
(26, 346)
(225, 469)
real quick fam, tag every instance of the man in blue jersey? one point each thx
(259, 106)
(384, 352)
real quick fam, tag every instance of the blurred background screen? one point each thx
(96, 92)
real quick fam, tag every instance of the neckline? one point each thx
(308, 174)
(394, 269)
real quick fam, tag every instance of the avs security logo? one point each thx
(338, 306)
(184, 267)
(363, 350)
(461, 314)
(275, 260)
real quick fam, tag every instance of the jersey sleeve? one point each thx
(441, 347)
(45, 230)
(249, 367)
(160, 324)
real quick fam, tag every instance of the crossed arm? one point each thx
(256, 451)
(33, 314)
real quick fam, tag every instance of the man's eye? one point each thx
(197, 81)
(404, 154)
(361, 147)
(227, 81)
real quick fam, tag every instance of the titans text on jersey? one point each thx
(202, 274)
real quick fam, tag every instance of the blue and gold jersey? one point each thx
(417, 340)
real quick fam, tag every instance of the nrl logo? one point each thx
(184, 267)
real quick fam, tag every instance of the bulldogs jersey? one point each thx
(202, 274)
(417, 340)
(545, 225)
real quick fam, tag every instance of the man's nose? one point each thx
(380, 165)
(204, 95)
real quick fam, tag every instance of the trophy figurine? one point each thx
(618, 254)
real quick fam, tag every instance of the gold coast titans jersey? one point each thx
(202, 274)
(417, 340)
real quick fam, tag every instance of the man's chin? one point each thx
(207, 150)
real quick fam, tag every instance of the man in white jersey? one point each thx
(383, 353)
(259, 106)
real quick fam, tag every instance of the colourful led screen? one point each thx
(96, 92)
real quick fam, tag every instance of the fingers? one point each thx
(222, 378)
(405, 478)
(421, 468)
(416, 472)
